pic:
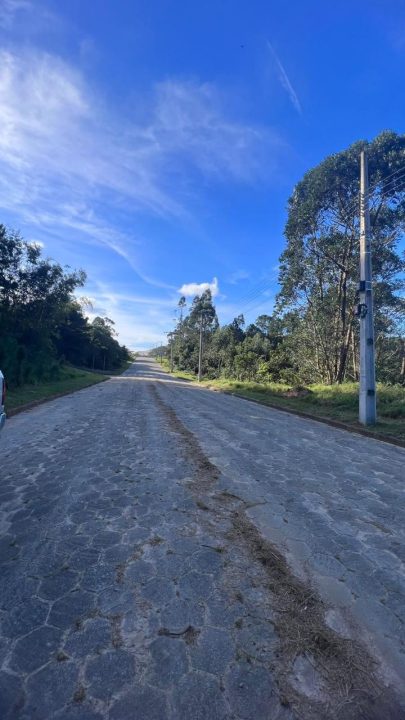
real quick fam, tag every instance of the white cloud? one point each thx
(37, 243)
(285, 81)
(192, 289)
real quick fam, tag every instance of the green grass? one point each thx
(70, 379)
(178, 373)
(339, 403)
(117, 371)
(336, 402)
(98, 371)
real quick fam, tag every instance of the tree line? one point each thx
(313, 334)
(42, 323)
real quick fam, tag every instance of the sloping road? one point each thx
(145, 528)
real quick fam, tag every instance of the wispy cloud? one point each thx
(284, 79)
(9, 10)
(52, 120)
(237, 276)
(52, 130)
(193, 288)
(191, 123)
(59, 140)
(92, 230)
(143, 320)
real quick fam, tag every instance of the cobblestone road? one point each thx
(145, 525)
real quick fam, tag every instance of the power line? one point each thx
(252, 304)
(246, 300)
(262, 297)
(249, 299)
(268, 284)
(377, 182)
(247, 306)
(353, 206)
(259, 304)
(356, 208)
(387, 190)
(259, 287)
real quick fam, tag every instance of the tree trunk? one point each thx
(344, 351)
(354, 354)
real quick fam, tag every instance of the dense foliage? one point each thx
(269, 350)
(319, 267)
(41, 322)
(257, 352)
(313, 335)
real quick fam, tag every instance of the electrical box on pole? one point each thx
(367, 394)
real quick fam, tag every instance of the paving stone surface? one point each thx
(124, 594)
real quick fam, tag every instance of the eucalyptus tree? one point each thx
(319, 267)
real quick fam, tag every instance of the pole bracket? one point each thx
(361, 311)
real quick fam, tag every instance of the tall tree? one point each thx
(319, 268)
(41, 323)
(203, 309)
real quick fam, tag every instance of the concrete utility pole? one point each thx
(170, 338)
(200, 349)
(367, 395)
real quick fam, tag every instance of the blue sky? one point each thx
(154, 143)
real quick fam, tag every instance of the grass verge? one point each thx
(121, 369)
(70, 379)
(333, 403)
(109, 373)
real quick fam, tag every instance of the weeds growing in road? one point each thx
(346, 669)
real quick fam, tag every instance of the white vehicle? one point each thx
(2, 400)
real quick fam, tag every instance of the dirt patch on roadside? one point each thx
(297, 392)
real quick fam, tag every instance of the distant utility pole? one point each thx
(367, 395)
(170, 338)
(200, 349)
